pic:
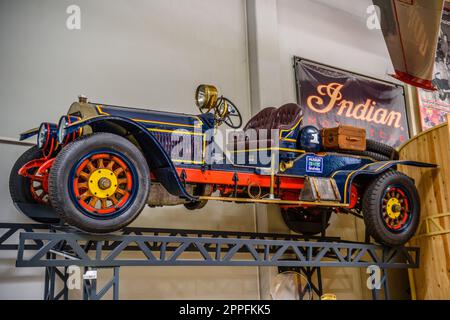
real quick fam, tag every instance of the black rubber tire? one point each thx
(370, 154)
(306, 222)
(372, 209)
(197, 205)
(19, 186)
(382, 149)
(59, 182)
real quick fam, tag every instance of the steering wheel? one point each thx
(227, 112)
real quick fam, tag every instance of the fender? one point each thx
(28, 134)
(157, 158)
(344, 178)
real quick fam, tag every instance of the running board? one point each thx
(277, 201)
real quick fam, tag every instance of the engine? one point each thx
(159, 196)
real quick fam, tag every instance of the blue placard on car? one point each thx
(314, 164)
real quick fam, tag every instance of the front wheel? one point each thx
(391, 208)
(99, 183)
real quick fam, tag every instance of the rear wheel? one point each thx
(391, 208)
(99, 183)
(306, 221)
(30, 197)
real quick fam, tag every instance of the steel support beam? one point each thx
(90, 291)
(173, 250)
(9, 233)
(57, 248)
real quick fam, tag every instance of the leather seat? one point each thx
(262, 120)
(283, 118)
(287, 116)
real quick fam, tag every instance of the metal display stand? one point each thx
(58, 248)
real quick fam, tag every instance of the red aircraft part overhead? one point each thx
(411, 31)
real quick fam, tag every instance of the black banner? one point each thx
(435, 105)
(330, 97)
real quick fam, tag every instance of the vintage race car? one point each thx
(101, 164)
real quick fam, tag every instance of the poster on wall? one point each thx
(435, 105)
(331, 97)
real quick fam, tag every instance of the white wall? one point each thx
(140, 53)
(326, 32)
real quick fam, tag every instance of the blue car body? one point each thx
(153, 130)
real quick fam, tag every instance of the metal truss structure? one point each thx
(58, 248)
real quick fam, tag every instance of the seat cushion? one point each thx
(283, 118)
(262, 120)
(287, 116)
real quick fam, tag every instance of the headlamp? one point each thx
(63, 137)
(46, 139)
(62, 124)
(206, 97)
(43, 137)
